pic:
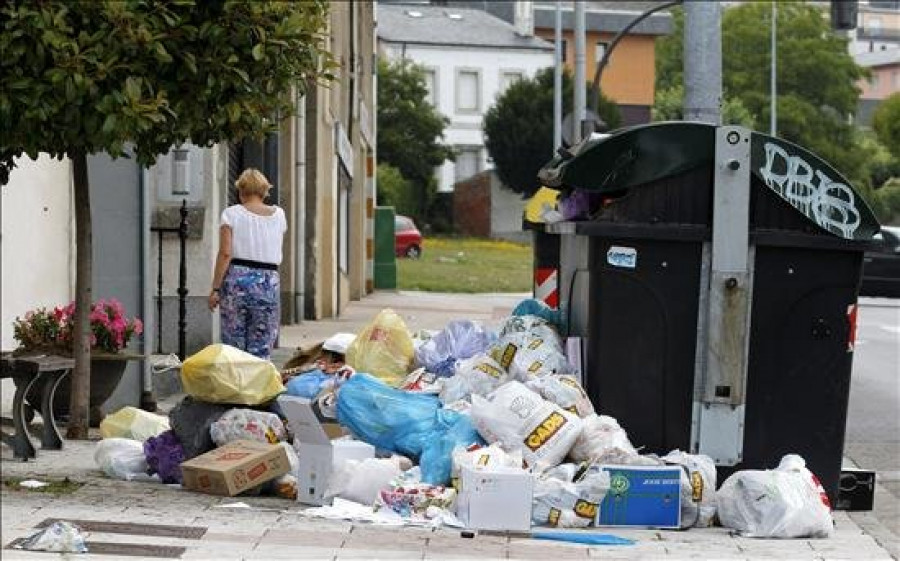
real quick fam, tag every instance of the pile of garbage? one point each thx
(490, 430)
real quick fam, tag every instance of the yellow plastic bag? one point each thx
(224, 374)
(133, 423)
(383, 349)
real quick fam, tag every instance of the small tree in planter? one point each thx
(83, 77)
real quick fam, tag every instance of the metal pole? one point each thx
(578, 111)
(182, 280)
(702, 61)
(159, 291)
(773, 95)
(557, 81)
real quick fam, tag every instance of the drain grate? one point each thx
(154, 530)
(126, 549)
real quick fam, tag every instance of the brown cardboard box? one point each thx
(235, 467)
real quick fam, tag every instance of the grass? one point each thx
(468, 265)
(55, 486)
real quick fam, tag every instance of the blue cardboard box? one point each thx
(646, 496)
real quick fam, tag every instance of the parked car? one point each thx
(407, 238)
(881, 267)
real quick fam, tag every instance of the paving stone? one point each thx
(303, 538)
(379, 553)
(282, 552)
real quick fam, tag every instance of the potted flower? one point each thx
(43, 331)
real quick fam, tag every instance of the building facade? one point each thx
(470, 57)
(878, 26)
(883, 81)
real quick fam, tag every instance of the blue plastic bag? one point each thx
(459, 340)
(411, 424)
(308, 384)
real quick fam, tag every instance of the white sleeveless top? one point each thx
(253, 236)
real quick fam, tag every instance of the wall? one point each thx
(36, 244)
(507, 209)
(885, 80)
(472, 206)
(465, 128)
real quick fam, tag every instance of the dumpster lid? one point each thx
(642, 154)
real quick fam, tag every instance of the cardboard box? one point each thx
(317, 452)
(495, 499)
(643, 496)
(235, 467)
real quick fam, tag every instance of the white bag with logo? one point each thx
(698, 488)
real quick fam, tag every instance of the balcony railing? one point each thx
(878, 33)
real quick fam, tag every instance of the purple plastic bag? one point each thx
(164, 455)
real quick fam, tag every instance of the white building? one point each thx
(470, 58)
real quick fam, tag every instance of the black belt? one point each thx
(255, 264)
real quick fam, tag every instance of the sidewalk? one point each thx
(274, 529)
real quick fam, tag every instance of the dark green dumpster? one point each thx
(724, 272)
(384, 270)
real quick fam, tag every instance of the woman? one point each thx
(245, 284)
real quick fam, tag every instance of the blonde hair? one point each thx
(252, 182)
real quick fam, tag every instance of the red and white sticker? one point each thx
(851, 333)
(546, 286)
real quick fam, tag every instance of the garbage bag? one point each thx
(529, 347)
(420, 381)
(537, 327)
(121, 458)
(785, 502)
(223, 374)
(361, 481)
(479, 375)
(487, 457)
(309, 384)
(563, 503)
(411, 424)
(131, 422)
(59, 537)
(247, 424)
(533, 307)
(417, 500)
(698, 488)
(603, 441)
(518, 418)
(191, 420)
(459, 340)
(165, 454)
(563, 390)
(287, 486)
(383, 348)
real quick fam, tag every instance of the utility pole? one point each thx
(702, 61)
(578, 112)
(773, 89)
(557, 82)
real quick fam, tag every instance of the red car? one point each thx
(407, 238)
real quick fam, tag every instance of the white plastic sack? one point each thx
(698, 488)
(562, 503)
(518, 418)
(535, 326)
(247, 424)
(785, 502)
(122, 458)
(602, 440)
(362, 481)
(59, 537)
(565, 391)
(478, 375)
(489, 457)
(286, 486)
(525, 356)
(459, 340)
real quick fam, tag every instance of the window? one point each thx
(507, 78)
(564, 46)
(468, 162)
(599, 51)
(431, 83)
(468, 91)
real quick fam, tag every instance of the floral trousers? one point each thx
(250, 309)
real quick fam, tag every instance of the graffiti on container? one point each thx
(831, 204)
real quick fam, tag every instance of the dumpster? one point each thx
(384, 269)
(724, 268)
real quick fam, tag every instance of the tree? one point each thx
(395, 190)
(518, 128)
(83, 77)
(669, 106)
(409, 128)
(886, 123)
(816, 75)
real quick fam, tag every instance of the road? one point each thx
(873, 425)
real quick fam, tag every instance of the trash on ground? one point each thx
(235, 467)
(191, 420)
(247, 424)
(641, 496)
(59, 537)
(383, 348)
(33, 484)
(123, 458)
(698, 488)
(785, 502)
(459, 340)
(361, 480)
(566, 497)
(582, 538)
(495, 498)
(164, 455)
(131, 422)
(223, 374)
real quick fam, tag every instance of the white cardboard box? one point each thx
(496, 499)
(318, 454)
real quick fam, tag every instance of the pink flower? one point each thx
(138, 326)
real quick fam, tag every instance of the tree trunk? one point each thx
(81, 376)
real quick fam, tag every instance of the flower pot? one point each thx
(106, 373)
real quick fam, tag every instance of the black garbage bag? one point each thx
(190, 421)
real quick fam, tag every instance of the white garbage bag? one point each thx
(247, 424)
(562, 503)
(565, 391)
(478, 375)
(525, 355)
(698, 488)
(518, 418)
(602, 440)
(785, 502)
(362, 481)
(488, 457)
(122, 458)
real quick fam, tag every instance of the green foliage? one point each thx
(92, 76)
(816, 76)
(394, 190)
(886, 123)
(669, 106)
(518, 128)
(410, 129)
